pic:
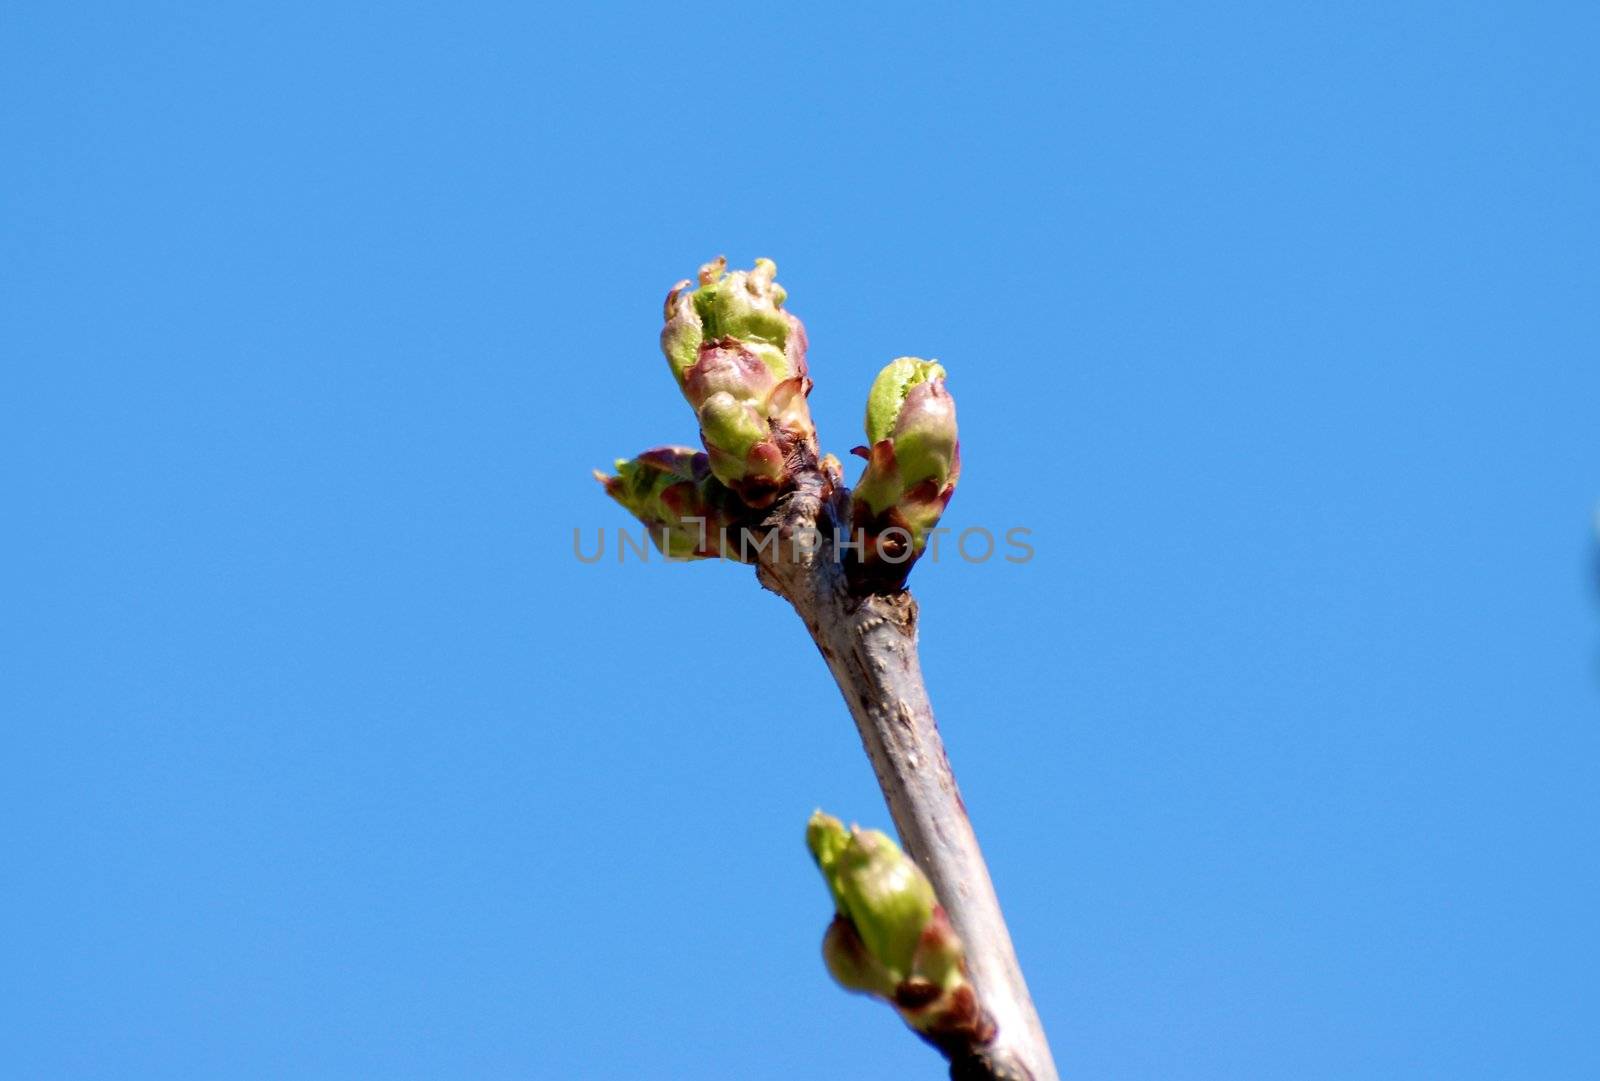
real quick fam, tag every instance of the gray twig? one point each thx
(870, 644)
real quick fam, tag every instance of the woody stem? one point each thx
(870, 645)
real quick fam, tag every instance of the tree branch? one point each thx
(870, 644)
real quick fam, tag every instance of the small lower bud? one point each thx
(890, 938)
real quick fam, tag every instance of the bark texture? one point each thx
(870, 645)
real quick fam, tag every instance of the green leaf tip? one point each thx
(889, 391)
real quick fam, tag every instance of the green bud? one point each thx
(877, 888)
(740, 361)
(913, 463)
(889, 937)
(671, 491)
(887, 897)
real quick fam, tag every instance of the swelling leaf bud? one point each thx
(913, 463)
(876, 887)
(739, 359)
(888, 898)
(671, 491)
(890, 937)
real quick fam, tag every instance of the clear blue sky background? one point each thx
(325, 759)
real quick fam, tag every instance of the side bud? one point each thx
(883, 895)
(913, 463)
(890, 938)
(740, 360)
(672, 492)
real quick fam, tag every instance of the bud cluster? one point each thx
(740, 360)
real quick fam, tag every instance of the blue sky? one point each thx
(326, 759)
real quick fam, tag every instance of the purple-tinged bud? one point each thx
(913, 463)
(671, 491)
(740, 362)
